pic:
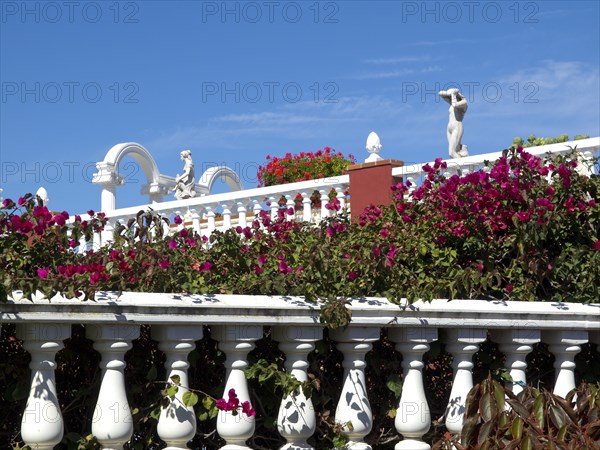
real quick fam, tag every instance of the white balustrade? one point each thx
(177, 423)
(413, 418)
(324, 201)
(236, 341)
(112, 323)
(461, 343)
(42, 425)
(226, 217)
(112, 423)
(296, 421)
(353, 405)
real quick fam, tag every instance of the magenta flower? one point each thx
(177, 220)
(164, 264)
(43, 272)
(172, 244)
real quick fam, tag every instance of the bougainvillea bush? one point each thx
(526, 228)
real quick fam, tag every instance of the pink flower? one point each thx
(164, 264)
(177, 220)
(43, 272)
(205, 266)
(172, 244)
(596, 245)
(352, 275)
(248, 409)
(183, 233)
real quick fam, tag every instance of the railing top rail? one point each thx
(137, 307)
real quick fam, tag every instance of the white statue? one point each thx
(185, 183)
(458, 108)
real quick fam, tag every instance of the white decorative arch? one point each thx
(109, 178)
(158, 185)
(212, 174)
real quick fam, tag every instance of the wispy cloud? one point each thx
(398, 60)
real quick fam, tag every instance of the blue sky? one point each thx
(235, 81)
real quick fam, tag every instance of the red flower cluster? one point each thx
(303, 166)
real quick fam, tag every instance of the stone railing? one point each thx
(586, 148)
(208, 213)
(236, 321)
(223, 211)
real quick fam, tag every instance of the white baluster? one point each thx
(236, 341)
(341, 196)
(106, 235)
(296, 421)
(461, 343)
(241, 210)
(226, 217)
(324, 201)
(112, 423)
(177, 423)
(210, 217)
(516, 345)
(564, 345)
(42, 425)
(412, 187)
(289, 204)
(274, 208)
(306, 207)
(353, 405)
(256, 209)
(195, 221)
(413, 418)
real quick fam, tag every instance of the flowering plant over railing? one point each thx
(524, 229)
(303, 166)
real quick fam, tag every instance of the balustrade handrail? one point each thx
(589, 145)
(169, 308)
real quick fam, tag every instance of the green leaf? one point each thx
(176, 380)
(516, 428)
(189, 398)
(172, 390)
(394, 384)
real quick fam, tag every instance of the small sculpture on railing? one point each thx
(458, 108)
(185, 183)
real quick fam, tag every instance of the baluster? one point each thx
(564, 345)
(274, 208)
(296, 421)
(236, 341)
(324, 201)
(413, 418)
(516, 345)
(106, 235)
(177, 423)
(42, 425)
(226, 217)
(306, 207)
(412, 186)
(341, 196)
(195, 221)
(210, 217)
(112, 423)
(461, 343)
(256, 209)
(289, 204)
(353, 405)
(241, 210)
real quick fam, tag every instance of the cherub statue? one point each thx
(185, 183)
(458, 108)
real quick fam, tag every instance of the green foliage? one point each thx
(495, 418)
(533, 141)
